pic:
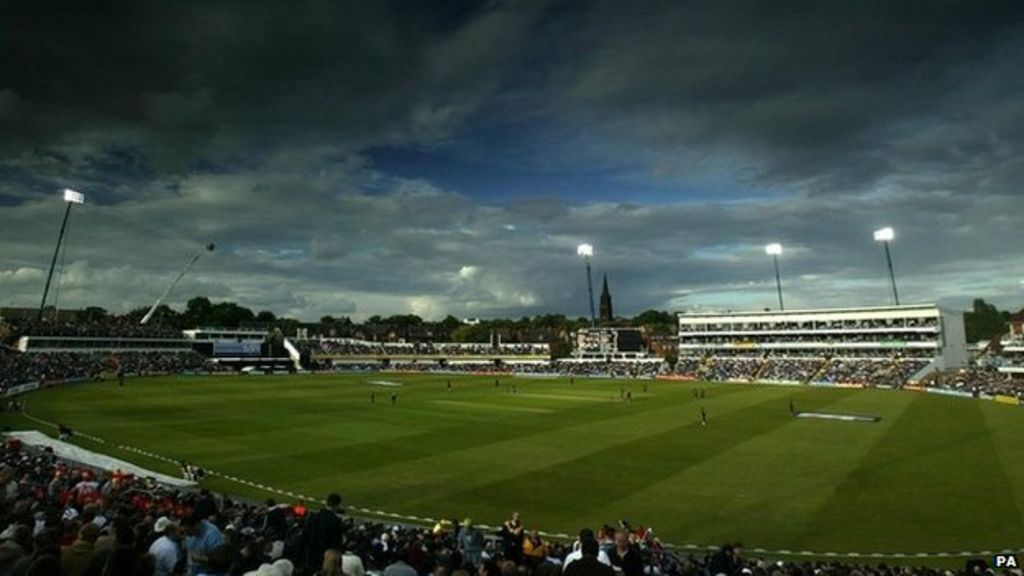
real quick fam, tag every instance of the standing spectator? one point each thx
(626, 556)
(512, 536)
(202, 537)
(588, 564)
(323, 531)
(274, 522)
(723, 561)
(471, 542)
(577, 551)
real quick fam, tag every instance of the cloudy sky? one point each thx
(442, 157)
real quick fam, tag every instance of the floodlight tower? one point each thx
(586, 251)
(71, 198)
(207, 248)
(885, 236)
(774, 250)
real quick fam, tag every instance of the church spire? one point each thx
(606, 314)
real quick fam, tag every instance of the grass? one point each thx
(935, 474)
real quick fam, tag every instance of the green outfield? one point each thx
(934, 474)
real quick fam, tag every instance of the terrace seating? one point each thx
(17, 367)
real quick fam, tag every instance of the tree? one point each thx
(265, 316)
(197, 312)
(403, 320)
(470, 333)
(229, 315)
(93, 314)
(450, 323)
(984, 321)
(656, 321)
(560, 349)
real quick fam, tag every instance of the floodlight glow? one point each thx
(884, 234)
(773, 249)
(585, 250)
(73, 197)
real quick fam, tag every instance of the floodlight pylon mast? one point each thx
(167, 292)
(70, 198)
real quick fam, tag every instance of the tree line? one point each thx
(984, 321)
(200, 312)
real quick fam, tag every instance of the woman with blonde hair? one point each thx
(332, 563)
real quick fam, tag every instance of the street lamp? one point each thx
(774, 250)
(885, 236)
(71, 198)
(207, 248)
(586, 251)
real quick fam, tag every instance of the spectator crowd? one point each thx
(109, 327)
(866, 371)
(18, 367)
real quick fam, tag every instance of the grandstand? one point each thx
(886, 346)
(1005, 355)
(365, 354)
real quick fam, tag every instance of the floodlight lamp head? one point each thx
(884, 234)
(585, 250)
(73, 197)
(773, 249)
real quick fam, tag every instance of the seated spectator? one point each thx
(77, 556)
(201, 538)
(166, 553)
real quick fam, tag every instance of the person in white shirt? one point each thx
(352, 565)
(165, 550)
(577, 553)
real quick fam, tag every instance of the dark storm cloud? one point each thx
(226, 78)
(805, 92)
(254, 125)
